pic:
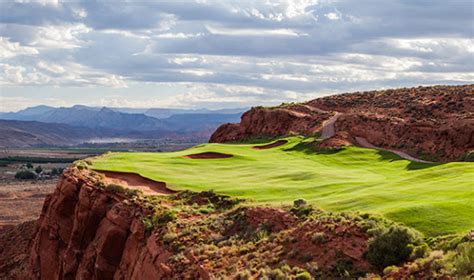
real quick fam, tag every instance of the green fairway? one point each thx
(433, 198)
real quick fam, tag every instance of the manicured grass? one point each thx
(433, 198)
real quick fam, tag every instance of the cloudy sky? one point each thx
(220, 54)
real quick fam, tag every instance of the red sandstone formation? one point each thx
(434, 122)
(271, 122)
(86, 232)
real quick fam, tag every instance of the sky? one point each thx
(226, 54)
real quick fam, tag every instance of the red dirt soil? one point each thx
(15, 247)
(271, 145)
(208, 155)
(135, 181)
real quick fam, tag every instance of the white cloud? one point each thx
(11, 49)
(332, 16)
(59, 36)
(252, 32)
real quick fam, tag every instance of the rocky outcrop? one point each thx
(85, 232)
(435, 140)
(436, 123)
(88, 232)
(271, 122)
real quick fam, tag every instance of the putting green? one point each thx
(436, 199)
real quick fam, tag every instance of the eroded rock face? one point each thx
(271, 122)
(86, 233)
(434, 122)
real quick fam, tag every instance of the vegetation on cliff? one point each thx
(432, 198)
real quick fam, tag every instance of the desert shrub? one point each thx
(243, 275)
(343, 268)
(81, 165)
(390, 269)
(133, 192)
(392, 246)
(57, 171)
(469, 156)
(464, 259)
(148, 224)
(169, 237)
(419, 251)
(165, 217)
(38, 169)
(301, 209)
(25, 175)
(319, 238)
(299, 202)
(303, 276)
(114, 188)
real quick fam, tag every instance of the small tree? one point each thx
(25, 175)
(29, 165)
(38, 169)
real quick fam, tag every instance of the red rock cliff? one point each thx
(436, 122)
(85, 232)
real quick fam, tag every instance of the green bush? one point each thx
(165, 217)
(299, 203)
(57, 171)
(38, 169)
(148, 224)
(464, 259)
(114, 188)
(392, 246)
(25, 175)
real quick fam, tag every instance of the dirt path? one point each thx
(366, 144)
(328, 130)
(135, 181)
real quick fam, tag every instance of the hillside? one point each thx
(43, 125)
(32, 133)
(434, 123)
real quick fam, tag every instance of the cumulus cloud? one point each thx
(232, 53)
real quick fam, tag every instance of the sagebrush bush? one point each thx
(319, 238)
(392, 246)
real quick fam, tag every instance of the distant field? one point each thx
(433, 198)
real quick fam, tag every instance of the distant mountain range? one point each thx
(44, 125)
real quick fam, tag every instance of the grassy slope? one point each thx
(435, 199)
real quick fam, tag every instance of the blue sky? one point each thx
(221, 54)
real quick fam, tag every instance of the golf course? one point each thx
(434, 198)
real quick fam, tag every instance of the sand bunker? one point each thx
(271, 145)
(135, 181)
(209, 155)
